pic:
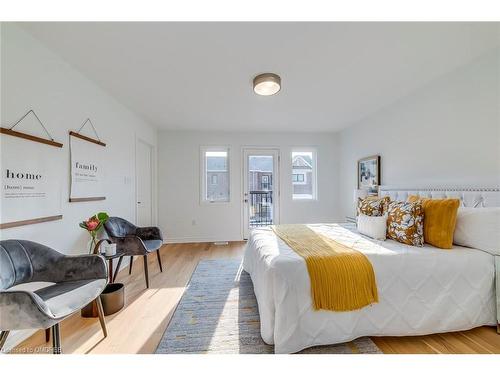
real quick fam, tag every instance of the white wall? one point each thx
(179, 183)
(445, 134)
(34, 77)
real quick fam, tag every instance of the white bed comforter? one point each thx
(421, 291)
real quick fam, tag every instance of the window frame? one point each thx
(314, 174)
(204, 183)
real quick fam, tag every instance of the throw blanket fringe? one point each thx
(342, 279)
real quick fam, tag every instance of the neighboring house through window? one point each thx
(304, 174)
(260, 171)
(215, 174)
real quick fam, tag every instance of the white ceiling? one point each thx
(199, 75)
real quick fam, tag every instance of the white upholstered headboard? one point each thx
(470, 197)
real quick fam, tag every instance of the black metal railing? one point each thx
(261, 208)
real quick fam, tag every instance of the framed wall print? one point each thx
(31, 170)
(87, 166)
(369, 173)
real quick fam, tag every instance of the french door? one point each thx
(260, 188)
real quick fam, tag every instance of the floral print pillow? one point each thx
(405, 223)
(373, 206)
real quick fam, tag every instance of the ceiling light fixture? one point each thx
(267, 84)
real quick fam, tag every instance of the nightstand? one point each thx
(350, 219)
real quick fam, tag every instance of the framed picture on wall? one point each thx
(369, 173)
(31, 177)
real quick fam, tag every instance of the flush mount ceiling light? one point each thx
(267, 84)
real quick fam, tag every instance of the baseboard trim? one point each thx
(194, 239)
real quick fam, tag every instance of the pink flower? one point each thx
(92, 224)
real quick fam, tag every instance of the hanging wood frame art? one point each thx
(87, 172)
(31, 176)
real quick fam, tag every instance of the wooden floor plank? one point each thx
(139, 327)
(486, 337)
(473, 345)
(403, 345)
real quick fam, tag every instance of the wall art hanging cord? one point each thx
(93, 128)
(38, 119)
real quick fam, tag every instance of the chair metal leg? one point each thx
(47, 334)
(56, 339)
(159, 259)
(130, 265)
(100, 313)
(117, 268)
(146, 274)
(3, 338)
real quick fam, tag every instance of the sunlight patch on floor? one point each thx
(144, 309)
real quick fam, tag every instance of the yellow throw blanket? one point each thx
(342, 279)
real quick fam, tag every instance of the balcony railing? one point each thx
(261, 208)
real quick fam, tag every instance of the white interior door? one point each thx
(144, 184)
(260, 188)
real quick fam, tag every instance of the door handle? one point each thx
(138, 202)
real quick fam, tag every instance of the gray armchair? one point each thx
(134, 241)
(75, 282)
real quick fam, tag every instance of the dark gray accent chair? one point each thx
(75, 281)
(134, 241)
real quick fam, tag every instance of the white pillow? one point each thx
(478, 228)
(373, 226)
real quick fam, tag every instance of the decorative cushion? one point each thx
(440, 216)
(373, 206)
(478, 228)
(405, 223)
(373, 226)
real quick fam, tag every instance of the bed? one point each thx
(421, 290)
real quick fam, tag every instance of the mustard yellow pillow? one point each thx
(440, 217)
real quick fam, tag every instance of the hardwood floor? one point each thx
(140, 325)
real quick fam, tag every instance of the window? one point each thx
(303, 175)
(298, 177)
(215, 174)
(265, 182)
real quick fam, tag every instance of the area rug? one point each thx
(218, 314)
